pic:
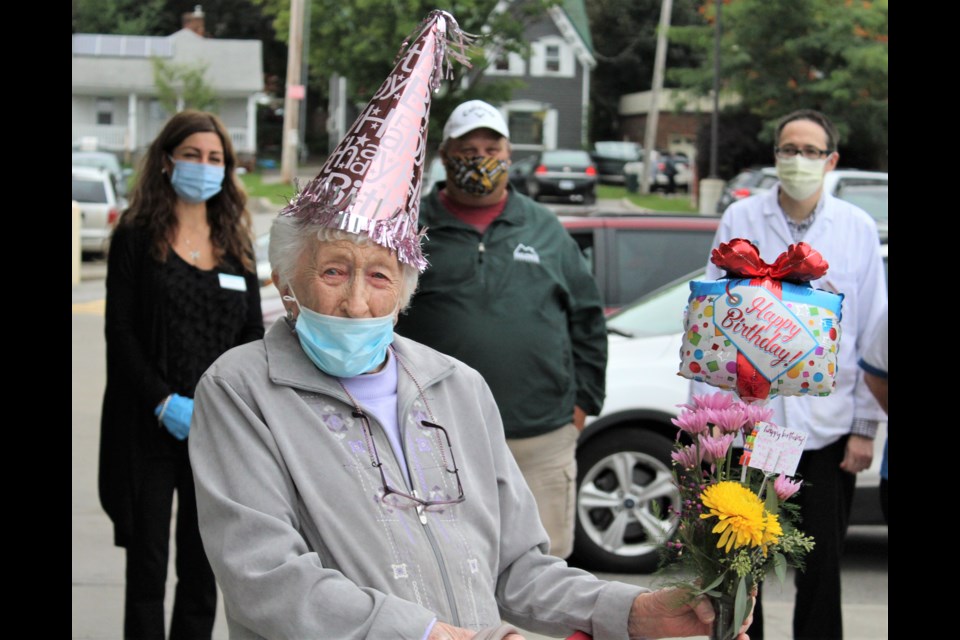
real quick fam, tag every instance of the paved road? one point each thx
(98, 566)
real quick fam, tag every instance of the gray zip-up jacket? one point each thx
(303, 548)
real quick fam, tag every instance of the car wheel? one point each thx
(625, 501)
(590, 197)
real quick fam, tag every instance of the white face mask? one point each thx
(799, 177)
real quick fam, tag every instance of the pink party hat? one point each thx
(371, 182)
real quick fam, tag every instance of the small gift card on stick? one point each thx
(776, 449)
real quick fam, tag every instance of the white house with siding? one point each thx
(115, 104)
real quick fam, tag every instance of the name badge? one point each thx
(237, 283)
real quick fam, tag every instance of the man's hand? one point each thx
(859, 454)
(579, 417)
(667, 614)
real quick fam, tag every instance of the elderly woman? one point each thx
(352, 483)
(355, 484)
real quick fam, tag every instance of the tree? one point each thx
(122, 17)
(360, 40)
(829, 55)
(624, 38)
(176, 82)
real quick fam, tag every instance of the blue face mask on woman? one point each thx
(343, 347)
(195, 181)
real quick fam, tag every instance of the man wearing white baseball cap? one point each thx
(509, 293)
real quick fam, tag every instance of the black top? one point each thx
(205, 319)
(165, 323)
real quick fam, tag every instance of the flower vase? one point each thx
(723, 622)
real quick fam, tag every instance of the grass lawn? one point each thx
(278, 194)
(677, 203)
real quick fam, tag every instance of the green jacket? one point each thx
(518, 304)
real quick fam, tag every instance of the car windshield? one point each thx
(89, 190)
(97, 160)
(576, 158)
(741, 179)
(621, 150)
(658, 314)
(871, 198)
(766, 182)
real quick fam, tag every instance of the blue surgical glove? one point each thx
(175, 413)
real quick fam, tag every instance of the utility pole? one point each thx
(305, 79)
(711, 187)
(715, 116)
(295, 92)
(659, 62)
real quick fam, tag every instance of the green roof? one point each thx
(576, 10)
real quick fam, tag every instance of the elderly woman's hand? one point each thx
(444, 631)
(668, 613)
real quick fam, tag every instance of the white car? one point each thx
(108, 162)
(625, 488)
(100, 206)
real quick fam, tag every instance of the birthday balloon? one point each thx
(764, 331)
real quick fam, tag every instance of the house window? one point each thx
(551, 58)
(525, 128)
(156, 110)
(104, 110)
(505, 63)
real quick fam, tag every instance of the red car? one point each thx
(633, 254)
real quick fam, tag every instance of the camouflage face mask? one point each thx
(478, 176)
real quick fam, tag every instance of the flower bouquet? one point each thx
(735, 521)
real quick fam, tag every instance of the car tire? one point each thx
(590, 197)
(622, 523)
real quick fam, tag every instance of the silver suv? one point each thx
(95, 191)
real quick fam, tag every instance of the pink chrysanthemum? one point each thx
(718, 400)
(715, 447)
(757, 413)
(693, 422)
(731, 419)
(687, 457)
(785, 487)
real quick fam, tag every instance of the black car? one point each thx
(610, 156)
(567, 175)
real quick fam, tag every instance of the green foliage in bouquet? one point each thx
(735, 522)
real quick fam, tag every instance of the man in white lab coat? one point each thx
(840, 427)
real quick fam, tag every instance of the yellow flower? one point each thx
(742, 519)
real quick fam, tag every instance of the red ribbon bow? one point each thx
(741, 258)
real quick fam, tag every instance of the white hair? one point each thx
(290, 238)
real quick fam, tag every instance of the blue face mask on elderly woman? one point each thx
(196, 181)
(343, 347)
